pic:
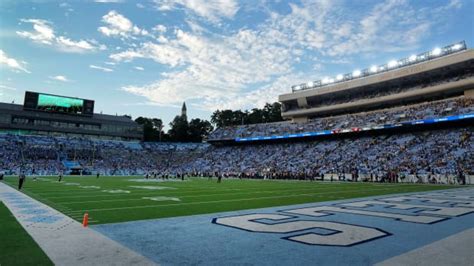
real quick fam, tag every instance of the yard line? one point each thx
(183, 189)
(218, 201)
(200, 195)
(162, 193)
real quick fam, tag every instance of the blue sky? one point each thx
(145, 58)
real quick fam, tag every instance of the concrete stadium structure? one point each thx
(16, 119)
(308, 101)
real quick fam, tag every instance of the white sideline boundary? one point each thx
(63, 239)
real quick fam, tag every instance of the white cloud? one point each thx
(60, 78)
(160, 28)
(109, 1)
(119, 25)
(105, 69)
(12, 63)
(7, 87)
(212, 10)
(43, 33)
(139, 68)
(126, 56)
(249, 67)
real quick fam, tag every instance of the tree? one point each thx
(179, 129)
(152, 128)
(269, 113)
(199, 129)
(223, 118)
(273, 112)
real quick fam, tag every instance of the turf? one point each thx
(75, 196)
(16, 245)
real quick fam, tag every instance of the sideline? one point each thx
(63, 239)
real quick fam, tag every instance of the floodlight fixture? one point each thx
(392, 64)
(436, 51)
(457, 46)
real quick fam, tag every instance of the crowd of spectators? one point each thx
(453, 106)
(441, 152)
(445, 152)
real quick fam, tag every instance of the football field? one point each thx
(120, 199)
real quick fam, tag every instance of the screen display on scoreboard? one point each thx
(58, 104)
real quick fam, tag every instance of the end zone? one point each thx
(357, 232)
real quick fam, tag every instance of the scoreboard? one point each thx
(57, 104)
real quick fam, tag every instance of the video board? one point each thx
(58, 104)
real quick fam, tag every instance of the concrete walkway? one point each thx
(63, 239)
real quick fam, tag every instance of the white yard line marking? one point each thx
(205, 195)
(217, 201)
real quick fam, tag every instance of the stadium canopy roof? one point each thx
(394, 64)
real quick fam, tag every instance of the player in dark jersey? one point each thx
(21, 180)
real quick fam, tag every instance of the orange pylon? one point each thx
(85, 220)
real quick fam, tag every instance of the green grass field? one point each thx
(119, 199)
(16, 245)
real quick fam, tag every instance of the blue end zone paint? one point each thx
(197, 240)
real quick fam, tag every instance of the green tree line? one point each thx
(196, 130)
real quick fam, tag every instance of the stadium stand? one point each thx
(409, 124)
(453, 106)
(427, 156)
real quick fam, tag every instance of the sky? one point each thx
(144, 58)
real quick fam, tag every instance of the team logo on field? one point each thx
(298, 225)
